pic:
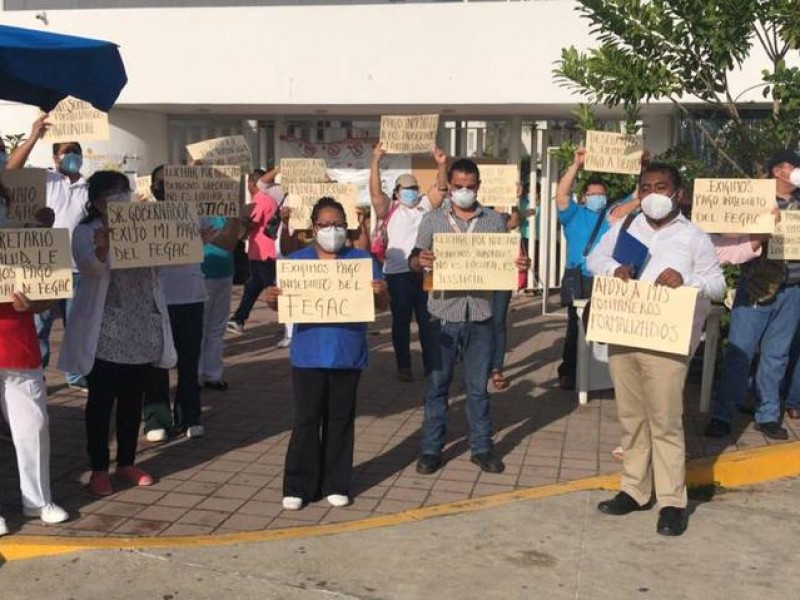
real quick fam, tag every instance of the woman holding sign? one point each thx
(327, 360)
(120, 328)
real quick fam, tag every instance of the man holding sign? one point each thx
(649, 383)
(462, 325)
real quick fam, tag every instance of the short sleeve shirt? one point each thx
(578, 223)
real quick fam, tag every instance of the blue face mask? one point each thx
(408, 197)
(596, 202)
(70, 164)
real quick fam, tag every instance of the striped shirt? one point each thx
(458, 306)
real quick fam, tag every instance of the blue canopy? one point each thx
(43, 68)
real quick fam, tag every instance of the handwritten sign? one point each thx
(75, 120)
(326, 291)
(409, 134)
(609, 152)
(36, 262)
(785, 242)
(303, 170)
(475, 261)
(499, 185)
(642, 315)
(734, 205)
(303, 196)
(27, 190)
(215, 189)
(231, 150)
(143, 192)
(151, 234)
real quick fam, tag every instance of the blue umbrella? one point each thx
(43, 68)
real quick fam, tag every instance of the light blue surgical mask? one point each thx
(596, 202)
(70, 163)
(408, 196)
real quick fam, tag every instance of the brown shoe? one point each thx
(793, 413)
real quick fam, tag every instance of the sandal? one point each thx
(498, 381)
(220, 385)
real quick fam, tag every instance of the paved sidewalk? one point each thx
(230, 480)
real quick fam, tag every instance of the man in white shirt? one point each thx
(649, 385)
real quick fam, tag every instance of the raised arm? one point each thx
(20, 156)
(438, 191)
(564, 187)
(380, 201)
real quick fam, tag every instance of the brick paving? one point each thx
(230, 480)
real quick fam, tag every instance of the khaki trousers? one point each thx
(649, 391)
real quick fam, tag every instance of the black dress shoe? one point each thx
(772, 430)
(488, 462)
(621, 504)
(717, 429)
(429, 463)
(672, 521)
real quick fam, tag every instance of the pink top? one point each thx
(734, 250)
(261, 247)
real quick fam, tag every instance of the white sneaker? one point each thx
(338, 500)
(235, 327)
(49, 513)
(284, 343)
(292, 503)
(156, 435)
(195, 431)
(3, 527)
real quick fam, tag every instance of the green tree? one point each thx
(684, 51)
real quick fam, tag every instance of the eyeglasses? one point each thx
(324, 225)
(121, 196)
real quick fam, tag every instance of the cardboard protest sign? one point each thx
(785, 242)
(609, 152)
(415, 134)
(151, 234)
(27, 191)
(734, 205)
(143, 192)
(303, 196)
(303, 170)
(231, 150)
(217, 190)
(499, 186)
(326, 291)
(640, 314)
(75, 120)
(475, 261)
(36, 262)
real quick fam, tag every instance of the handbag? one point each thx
(274, 224)
(380, 239)
(574, 284)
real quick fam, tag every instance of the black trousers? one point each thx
(569, 355)
(319, 460)
(109, 382)
(262, 275)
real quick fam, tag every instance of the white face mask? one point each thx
(794, 178)
(331, 239)
(657, 206)
(463, 197)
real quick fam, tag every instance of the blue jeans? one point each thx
(472, 342)
(407, 297)
(44, 323)
(262, 276)
(793, 374)
(500, 302)
(771, 328)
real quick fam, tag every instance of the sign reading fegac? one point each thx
(151, 234)
(215, 189)
(785, 242)
(734, 205)
(27, 189)
(230, 150)
(609, 152)
(415, 134)
(499, 186)
(36, 262)
(303, 170)
(642, 315)
(303, 196)
(74, 120)
(326, 291)
(475, 261)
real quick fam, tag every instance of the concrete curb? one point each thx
(734, 469)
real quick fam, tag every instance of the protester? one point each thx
(401, 215)
(649, 384)
(327, 360)
(120, 327)
(765, 316)
(462, 325)
(526, 212)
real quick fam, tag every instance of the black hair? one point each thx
(594, 181)
(58, 145)
(98, 185)
(257, 174)
(463, 165)
(662, 167)
(4, 195)
(326, 202)
(155, 171)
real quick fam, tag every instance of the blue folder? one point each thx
(630, 251)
